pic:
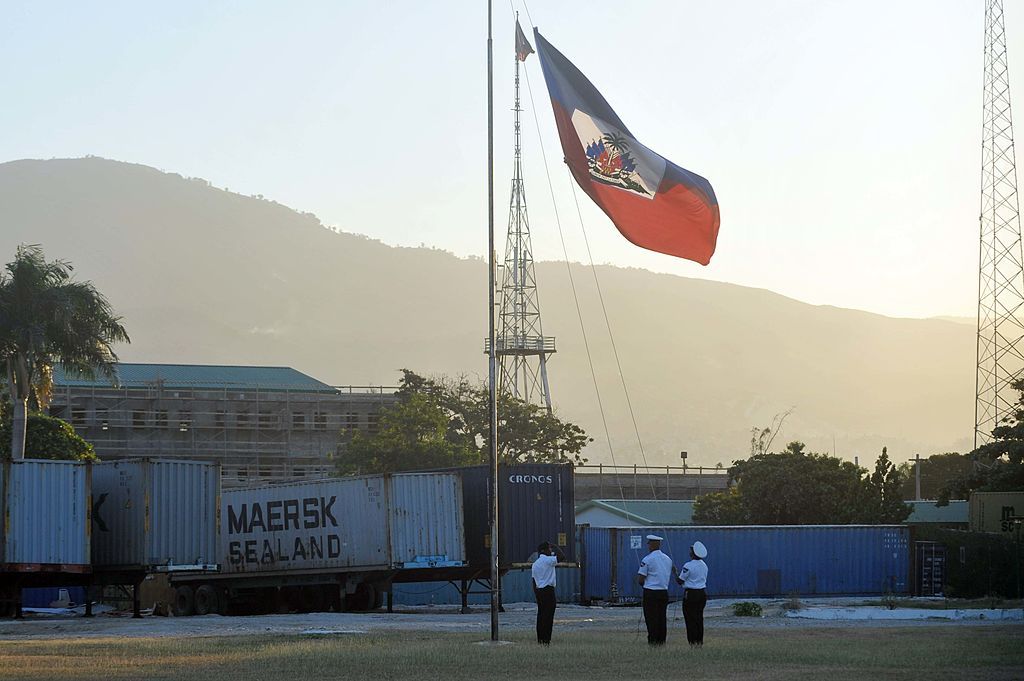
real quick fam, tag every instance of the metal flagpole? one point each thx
(491, 356)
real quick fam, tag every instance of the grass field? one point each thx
(958, 652)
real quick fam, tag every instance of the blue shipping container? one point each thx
(758, 561)
(42, 597)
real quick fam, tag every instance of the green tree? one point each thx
(997, 466)
(46, 437)
(886, 485)
(937, 471)
(47, 318)
(795, 487)
(445, 422)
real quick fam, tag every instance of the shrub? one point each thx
(746, 609)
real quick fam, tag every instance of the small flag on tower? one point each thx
(523, 47)
(653, 202)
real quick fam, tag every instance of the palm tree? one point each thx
(45, 319)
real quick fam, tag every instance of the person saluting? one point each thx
(543, 573)
(655, 572)
(694, 578)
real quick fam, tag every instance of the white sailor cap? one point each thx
(699, 550)
(654, 537)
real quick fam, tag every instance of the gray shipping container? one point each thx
(364, 523)
(45, 507)
(153, 512)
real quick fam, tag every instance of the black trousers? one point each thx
(694, 601)
(655, 604)
(545, 613)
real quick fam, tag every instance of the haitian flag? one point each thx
(653, 202)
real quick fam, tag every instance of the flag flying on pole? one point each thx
(523, 47)
(653, 202)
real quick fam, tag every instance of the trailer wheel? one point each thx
(362, 599)
(206, 601)
(184, 601)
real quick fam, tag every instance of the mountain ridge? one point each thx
(206, 276)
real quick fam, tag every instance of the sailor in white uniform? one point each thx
(654, 575)
(694, 578)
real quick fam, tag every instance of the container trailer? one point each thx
(44, 534)
(336, 543)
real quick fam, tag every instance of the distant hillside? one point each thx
(202, 275)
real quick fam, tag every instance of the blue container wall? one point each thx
(41, 597)
(516, 587)
(810, 560)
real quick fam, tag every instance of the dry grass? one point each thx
(955, 652)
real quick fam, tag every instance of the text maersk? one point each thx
(310, 513)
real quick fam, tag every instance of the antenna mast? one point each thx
(1001, 260)
(521, 345)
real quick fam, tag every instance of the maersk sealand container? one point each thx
(368, 523)
(149, 513)
(756, 560)
(45, 512)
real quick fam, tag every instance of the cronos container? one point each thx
(361, 523)
(765, 561)
(154, 512)
(535, 504)
(994, 511)
(45, 507)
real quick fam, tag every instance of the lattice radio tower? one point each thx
(1001, 261)
(521, 346)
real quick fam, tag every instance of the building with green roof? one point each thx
(262, 424)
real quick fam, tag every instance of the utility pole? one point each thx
(917, 475)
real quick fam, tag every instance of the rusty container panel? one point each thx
(426, 520)
(45, 513)
(154, 512)
(337, 523)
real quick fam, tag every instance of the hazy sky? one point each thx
(842, 138)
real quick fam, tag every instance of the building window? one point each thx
(373, 423)
(298, 420)
(320, 420)
(161, 418)
(242, 419)
(267, 420)
(218, 419)
(298, 471)
(184, 421)
(78, 416)
(138, 418)
(103, 419)
(351, 421)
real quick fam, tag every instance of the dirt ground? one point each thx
(517, 617)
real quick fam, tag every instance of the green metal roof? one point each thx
(651, 512)
(198, 377)
(928, 512)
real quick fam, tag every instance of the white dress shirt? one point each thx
(656, 568)
(543, 570)
(695, 574)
